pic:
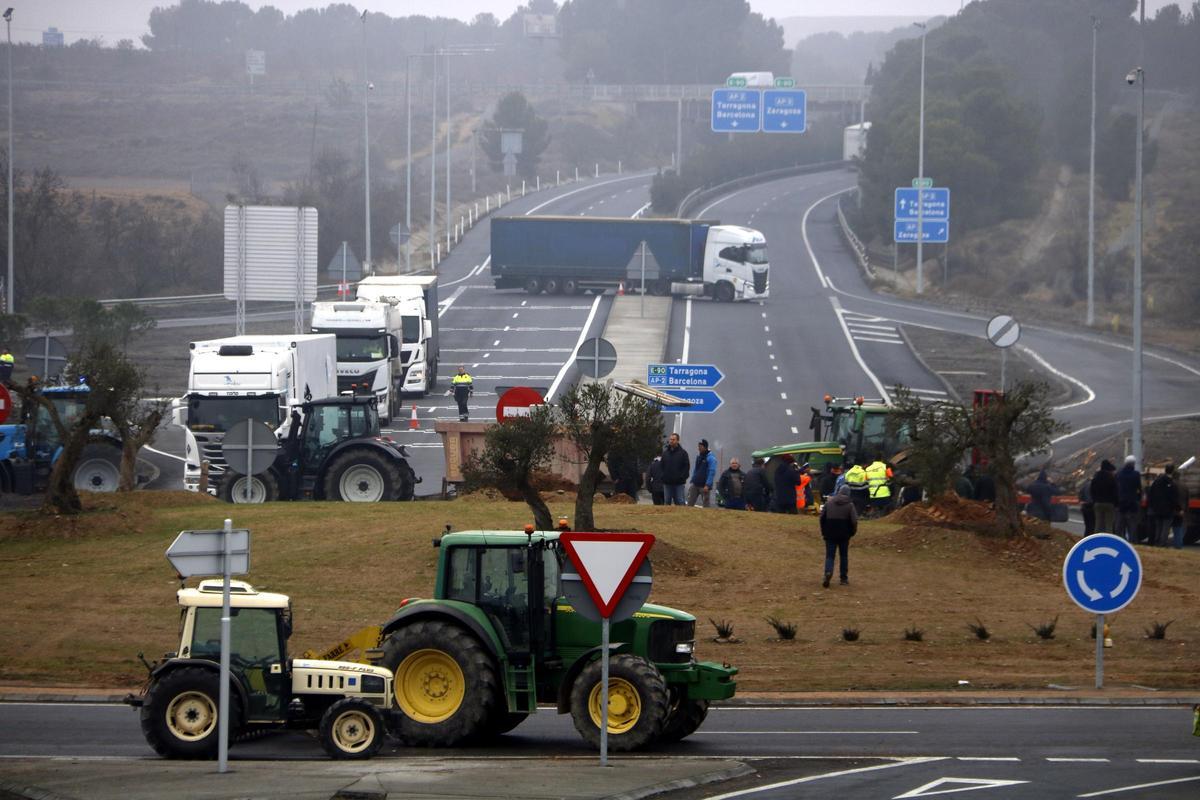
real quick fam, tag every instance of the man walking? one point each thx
(732, 486)
(463, 385)
(676, 465)
(1129, 500)
(654, 480)
(1162, 501)
(755, 488)
(704, 472)
(1104, 497)
(839, 522)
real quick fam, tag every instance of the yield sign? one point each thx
(607, 563)
(953, 785)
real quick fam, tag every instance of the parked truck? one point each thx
(259, 377)
(566, 255)
(387, 337)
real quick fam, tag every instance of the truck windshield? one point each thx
(756, 254)
(219, 413)
(361, 348)
(411, 329)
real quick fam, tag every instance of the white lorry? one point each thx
(258, 377)
(387, 338)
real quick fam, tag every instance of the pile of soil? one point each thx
(949, 509)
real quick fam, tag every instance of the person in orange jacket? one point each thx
(804, 488)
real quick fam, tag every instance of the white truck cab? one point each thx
(735, 263)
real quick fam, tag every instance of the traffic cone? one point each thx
(621, 289)
(412, 422)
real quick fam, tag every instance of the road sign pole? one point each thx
(46, 357)
(1003, 364)
(643, 278)
(223, 702)
(604, 692)
(250, 454)
(1099, 651)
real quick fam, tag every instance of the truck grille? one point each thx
(344, 382)
(664, 635)
(210, 451)
(760, 282)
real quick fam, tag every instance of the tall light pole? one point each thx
(1091, 275)
(921, 170)
(433, 171)
(461, 50)
(9, 306)
(366, 152)
(1138, 75)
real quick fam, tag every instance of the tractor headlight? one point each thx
(372, 684)
(685, 648)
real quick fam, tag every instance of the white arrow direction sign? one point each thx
(956, 785)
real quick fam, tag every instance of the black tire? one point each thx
(503, 722)
(98, 468)
(408, 483)
(179, 717)
(533, 285)
(683, 718)
(264, 487)
(351, 729)
(570, 287)
(360, 475)
(552, 286)
(723, 292)
(632, 729)
(437, 711)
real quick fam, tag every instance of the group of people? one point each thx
(1111, 501)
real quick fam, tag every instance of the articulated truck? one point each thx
(566, 255)
(261, 377)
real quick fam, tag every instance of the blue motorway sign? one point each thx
(695, 376)
(784, 111)
(703, 401)
(937, 204)
(935, 232)
(1102, 573)
(736, 110)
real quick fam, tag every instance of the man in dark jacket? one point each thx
(985, 486)
(1129, 500)
(1162, 501)
(755, 488)
(1040, 493)
(1104, 497)
(654, 481)
(839, 522)
(676, 466)
(787, 475)
(732, 486)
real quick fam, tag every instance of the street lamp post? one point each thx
(921, 170)
(1091, 267)
(9, 306)
(1138, 75)
(408, 157)
(366, 153)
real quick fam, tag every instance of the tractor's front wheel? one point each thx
(351, 729)
(445, 684)
(637, 703)
(179, 717)
(683, 718)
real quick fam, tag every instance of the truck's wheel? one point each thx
(683, 718)
(351, 729)
(264, 488)
(362, 476)
(179, 717)
(570, 286)
(446, 685)
(99, 469)
(552, 286)
(533, 285)
(723, 292)
(637, 703)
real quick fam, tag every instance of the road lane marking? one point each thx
(837, 309)
(1119, 789)
(495, 343)
(795, 431)
(787, 411)
(812, 778)
(582, 335)
(856, 324)
(806, 733)
(808, 245)
(783, 395)
(635, 176)
(1168, 760)
(470, 273)
(1087, 390)
(880, 341)
(987, 758)
(1078, 760)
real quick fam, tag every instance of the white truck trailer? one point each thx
(258, 377)
(415, 297)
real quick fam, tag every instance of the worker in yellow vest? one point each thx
(6, 365)
(856, 479)
(879, 475)
(463, 385)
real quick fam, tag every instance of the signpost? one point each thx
(249, 447)
(934, 232)
(1102, 574)
(517, 402)
(784, 110)
(690, 382)
(225, 552)
(922, 209)
(48, 351)
(736, 110)
(596, 357)
(607, 566)
(1003, 331)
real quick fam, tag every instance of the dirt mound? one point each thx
(620, 498)
(668, 558)
(949, 509)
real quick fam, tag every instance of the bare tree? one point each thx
(512, 453)
(939, 436)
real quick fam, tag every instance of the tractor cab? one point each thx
(859, 425)
(41, 434)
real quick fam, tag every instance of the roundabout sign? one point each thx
(1102, 574)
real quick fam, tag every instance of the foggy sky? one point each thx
(126, 19)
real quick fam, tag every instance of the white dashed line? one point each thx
(496, 343)
(787, 411)
(783, 395)
(987, 758)
(795, 431)
(1078, 760)
(779, 379)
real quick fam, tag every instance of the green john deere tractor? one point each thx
(497, 638)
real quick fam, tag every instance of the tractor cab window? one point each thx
(504, 591)
(254, 636)
(550, 577)
(461, 582)
(325, 426)
(363, 422)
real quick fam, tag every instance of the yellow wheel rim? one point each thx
(429, 686)
(353, 731)
(624, 705)
(191, 716)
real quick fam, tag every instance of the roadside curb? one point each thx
(717, 776)
(29, 792)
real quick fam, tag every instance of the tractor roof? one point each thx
(498, 538)
(241, 595)
(822, 448)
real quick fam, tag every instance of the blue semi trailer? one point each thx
(567, 255)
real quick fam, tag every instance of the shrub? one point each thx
(914, 634)
(980, 630)
(785, 630)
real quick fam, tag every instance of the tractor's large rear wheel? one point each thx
(362, 476)
(98, 470)
(179, 716)
(637, 703)
(446, 684)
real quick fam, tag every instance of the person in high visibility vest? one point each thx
(6, 365)
(856, 479)
(878, 476)
(804, 488)
(463, 385)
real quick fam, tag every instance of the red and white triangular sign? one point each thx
(607, 563)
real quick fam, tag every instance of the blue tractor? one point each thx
(29, 448)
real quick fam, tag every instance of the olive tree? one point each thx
(512, 453)
(939, 436)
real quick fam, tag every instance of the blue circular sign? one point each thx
(1102, 573)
